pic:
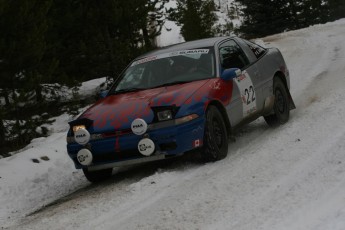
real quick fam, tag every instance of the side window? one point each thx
(232, 56)
(257, 50)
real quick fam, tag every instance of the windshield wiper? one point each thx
(171, 83)
(126, 90)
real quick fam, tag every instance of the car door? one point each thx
(258, 55)
(245, 94)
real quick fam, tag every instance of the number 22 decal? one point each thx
(247, 93)
(250, 94)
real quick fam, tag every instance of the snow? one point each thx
(87, 89)
(170, 33)
(91, 87)
(290, 177)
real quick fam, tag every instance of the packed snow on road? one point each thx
(290, 177)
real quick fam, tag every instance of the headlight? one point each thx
(164, 115)
(77, 127)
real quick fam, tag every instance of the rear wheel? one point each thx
(215, 137)
(97, 176)
(281, 104)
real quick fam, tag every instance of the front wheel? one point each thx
(215, 137)
(281, 105)
(97, 176)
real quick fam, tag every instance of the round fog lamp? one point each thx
(82, 136)
(146, 146)
(84, 157)
(139, 126)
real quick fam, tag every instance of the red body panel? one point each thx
(118, 111)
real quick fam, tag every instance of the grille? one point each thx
(116, 156)
(168, 146)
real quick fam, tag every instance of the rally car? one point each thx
(189, 96)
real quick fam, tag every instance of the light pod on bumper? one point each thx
(146, 146)
(139, 126)
(84, 157)
(82, 136)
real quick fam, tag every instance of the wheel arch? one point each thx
(281, 76)
(222, 110)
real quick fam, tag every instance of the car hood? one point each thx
(116, 112)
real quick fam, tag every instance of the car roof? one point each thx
(207, 42)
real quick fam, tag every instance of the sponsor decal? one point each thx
(215, 85)
(196, 51)
(252, 110)
(141, 61)
(84, 157)
(172, 54)
(139, 126)
(241, 78)
(197, 130)
(248, 96)
(146, 146)
(82, 136)
(197, 143)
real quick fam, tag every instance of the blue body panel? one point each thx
(182, 135)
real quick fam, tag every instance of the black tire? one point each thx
(97, 176)
(215, 138)
(281, 106)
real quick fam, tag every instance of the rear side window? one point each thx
(232, 56)
(256, 49)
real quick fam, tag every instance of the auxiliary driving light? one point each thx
(77, 127)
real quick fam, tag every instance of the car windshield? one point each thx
(167, 69)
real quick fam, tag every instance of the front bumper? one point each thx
(123, 150)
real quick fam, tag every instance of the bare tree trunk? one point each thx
(38, 91)
(4, 94)
(110, 47)
(147, 40)
(2, 130)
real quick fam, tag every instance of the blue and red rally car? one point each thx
(181, 98)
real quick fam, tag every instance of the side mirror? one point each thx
(103, 94)
(229, 74)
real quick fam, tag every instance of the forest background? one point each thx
(53, 44)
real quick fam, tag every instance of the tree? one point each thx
(197, 18)
(336, 9)
(99, 38)
(153, 19)
(22, 46)
(226, 26)
(2, 130)
(312, 12)
(66, 42)
(264, 17)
